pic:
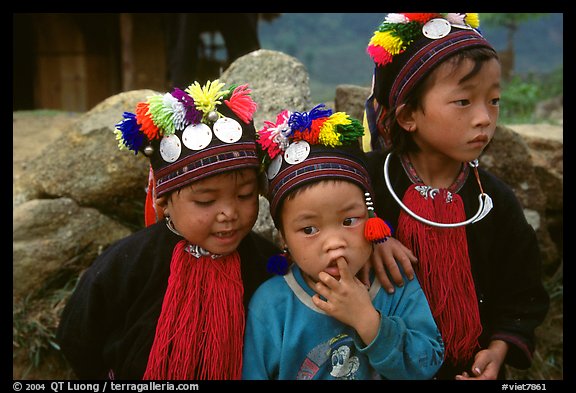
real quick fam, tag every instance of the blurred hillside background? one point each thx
(333, 48)
(333, 45)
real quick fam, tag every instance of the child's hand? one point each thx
(487, 362)
(386, 257)
(348, 301)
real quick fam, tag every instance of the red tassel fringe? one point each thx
(150, 216)
(376, 230)
(201, 326)
(444, 270)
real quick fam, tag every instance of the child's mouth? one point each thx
(224, 234)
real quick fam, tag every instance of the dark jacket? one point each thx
(504, 256)
(109, 322)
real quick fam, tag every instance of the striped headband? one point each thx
(319, 165)
(426, 57)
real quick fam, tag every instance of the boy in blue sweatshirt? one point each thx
(316, 319)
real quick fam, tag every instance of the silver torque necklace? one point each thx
(192, 249)
(484, 200)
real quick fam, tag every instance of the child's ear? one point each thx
(281, 240)
(405, 119)
(162, 205)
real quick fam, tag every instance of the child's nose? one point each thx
(334, 241)
(227, 213)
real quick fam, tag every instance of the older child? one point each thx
(432, 112)
(168, 301)
(317, 320)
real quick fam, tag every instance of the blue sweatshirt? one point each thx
(288, 337)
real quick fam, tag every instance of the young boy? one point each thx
(432, 112)
(168, 301)
(317, 320)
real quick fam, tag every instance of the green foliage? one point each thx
(521, 94)
(508, 19)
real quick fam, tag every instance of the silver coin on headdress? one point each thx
(274, 167)
(197, 136)
(297, 152)
(436, 28)
(227, 130)
(170, 148)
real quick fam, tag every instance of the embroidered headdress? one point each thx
(302, 147)
(405, 48)
(189, 135)
(193, 133)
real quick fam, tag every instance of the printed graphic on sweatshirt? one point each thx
(335, 355)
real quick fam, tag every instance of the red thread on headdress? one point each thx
(145, 120)
(242, 104)
(421, 17)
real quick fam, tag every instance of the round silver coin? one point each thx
(227, 130)
(197, 136)
(436, 28)
(297, 152)
(170, 148)
(274, 167)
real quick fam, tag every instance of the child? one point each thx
(432, 112)
(168, 301)
(318, 321)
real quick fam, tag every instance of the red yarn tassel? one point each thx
(150, 216)
(444, 269)
(200, 331)
(376, 230)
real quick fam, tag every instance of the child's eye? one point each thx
(248, 195)
(310, 230)
(350, 221)
(204, 203)
(496, 101)
(462, 102)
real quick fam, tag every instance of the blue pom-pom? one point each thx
(391, 227)
(131, 134)
(302, 121)
(318, 111)
(277, 264)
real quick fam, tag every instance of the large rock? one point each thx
(85, 164)
(55, 238)
(351, 99)
(509, 158)
(278, 82)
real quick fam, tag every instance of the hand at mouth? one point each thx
(332, 268)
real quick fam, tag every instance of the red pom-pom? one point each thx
(376, 230)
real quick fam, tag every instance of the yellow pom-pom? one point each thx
(473, 20)
(391, 43)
